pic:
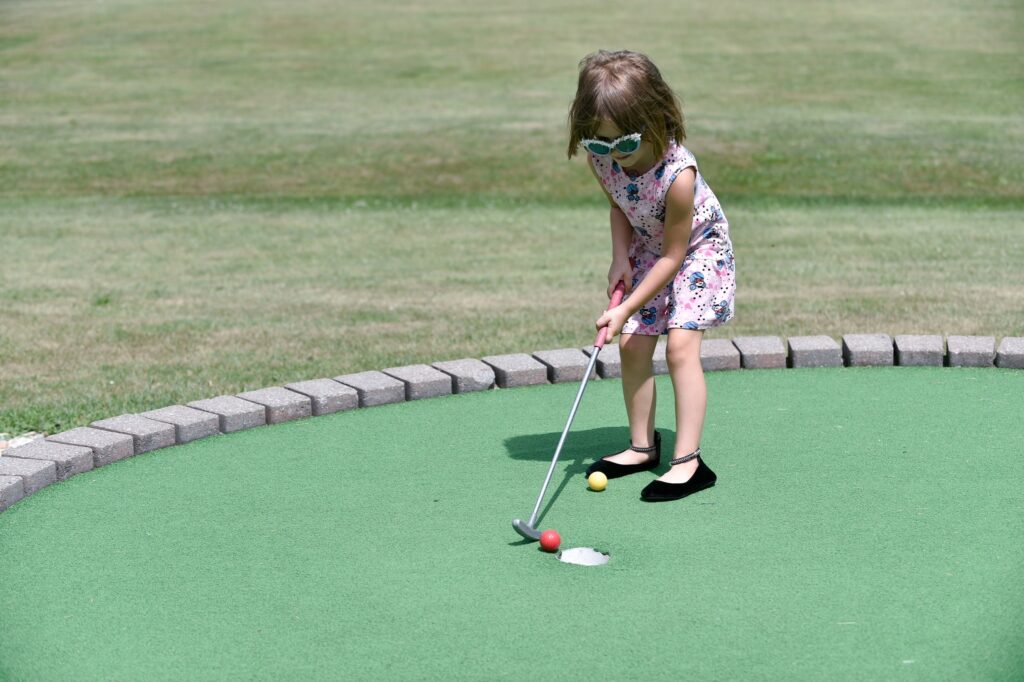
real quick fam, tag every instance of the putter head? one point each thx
(525, 530)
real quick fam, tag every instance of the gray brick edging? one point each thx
(33, 466)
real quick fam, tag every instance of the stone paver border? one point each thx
(864, 350)
(33, 466)
(920, 350)
(565, 364)
(761, 352)
(468, 375)
(814, 351)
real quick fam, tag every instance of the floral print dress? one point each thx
(702, 294)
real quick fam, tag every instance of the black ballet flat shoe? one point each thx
(616, 470)
(703, 477)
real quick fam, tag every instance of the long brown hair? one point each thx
(627, 89)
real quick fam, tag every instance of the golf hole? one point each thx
(583, 556)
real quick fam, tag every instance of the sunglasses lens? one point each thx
(598, 148)
(628, 146)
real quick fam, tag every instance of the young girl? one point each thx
(671, 249)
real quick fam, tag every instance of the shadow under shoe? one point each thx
(616, 470)
(659, 491)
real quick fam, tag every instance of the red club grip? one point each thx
(617, 294)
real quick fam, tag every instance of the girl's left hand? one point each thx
(614, 319)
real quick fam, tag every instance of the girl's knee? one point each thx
(637, 350)
(683, 348)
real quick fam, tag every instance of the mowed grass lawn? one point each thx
(204, 198)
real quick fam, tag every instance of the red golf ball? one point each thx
(549, 540)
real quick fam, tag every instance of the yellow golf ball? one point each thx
(597, 481)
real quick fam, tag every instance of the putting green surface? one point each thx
(867, 524)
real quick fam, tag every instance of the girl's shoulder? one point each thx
(678, 155)
(677, 158)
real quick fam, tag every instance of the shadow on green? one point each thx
(580, 449)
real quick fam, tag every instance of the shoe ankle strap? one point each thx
(686, 458)
(651, 448)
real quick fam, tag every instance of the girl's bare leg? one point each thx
(683, 354)
(638, 391)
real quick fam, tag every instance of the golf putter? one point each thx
(529, 530)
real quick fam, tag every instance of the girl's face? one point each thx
(643, 156)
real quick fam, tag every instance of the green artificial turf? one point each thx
(866, 525)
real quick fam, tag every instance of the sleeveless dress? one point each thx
(702, 294)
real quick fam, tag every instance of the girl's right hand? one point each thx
(620, 271)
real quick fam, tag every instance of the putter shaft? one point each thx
(529, 530)
(565, 432)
